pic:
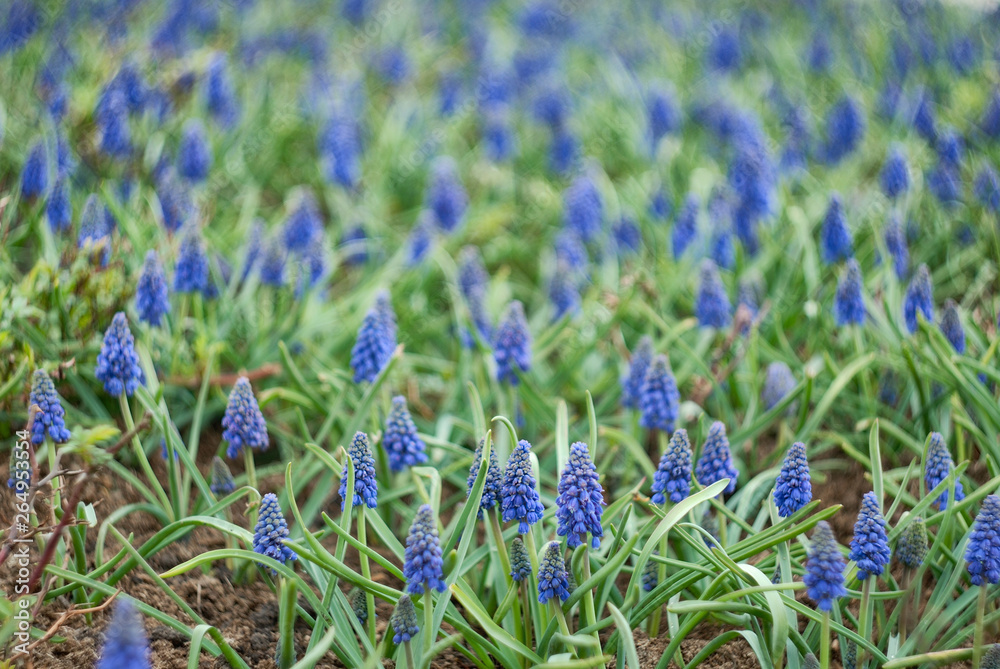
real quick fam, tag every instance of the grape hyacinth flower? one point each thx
(112, 121)
(716, 461)
(222, 479)
(220, 98)
(374, 346)
(919, 298)
(987, 188)
(117, 363)
(650, 574)
(895, 175)
(581, 499)
(912, 547)
(895, 242)
(365, 483)
(951, 326)
(402, 445)
(824, 577)
(991, 659)
(849, 302)
(472, 283)
(49, 420)
(845, 127)
(58, 209)
(520, 563)
(584, 208)
(672, 478)
(339, 150)
(659, 400)
(685, 227)
(359, 605)
(423, 566)
(175, 202)
(553, 579)
(632, 382)
(564, 293)
(273, 261)
(712, 305)
(403, 621)
(519, 499)
(778, 382)
(270, 531)
(191, 273)
(243, 424)
(492, 490)
(835, 238)
(35, 175)
(126, 645)
(512, 345)
(937, 468)
(982, 555)
(304, 226)
(446, 197)
(793, 488)
(151, 295)
(194, 156)
(662, 115)
(94, 230)
(870, 545)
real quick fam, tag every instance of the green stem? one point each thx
(824, 642)
(542, 619)
(523, 594)
(501, 546)
(661, 576)
(589, 612)
(251, 471)
(556, 607)
(977, 643)
(865, 618)
(410, 664)
(367, 573)
(140, 454)
(286, 623)
(50, 449)
(429, 634)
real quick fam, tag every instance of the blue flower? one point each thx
(849, 302)
(303, 227)
(870, 546)
(520, 563)
(191, 272)
(686, 226)
(95, 232)
(564, 151)
(446, 196)
(662, 115)
(222, 479)
(403, 620)
(924, 121)
(553, 579)
(778, 382)
(519, 500)
(175, 202)
(498, 136)
(937, 468)
(339, 150)
(836, 242)
(943, 183)
(672, 478)
(58, 209)
(49, 420)
(219, 95)
(512, 345)
(420, 241)
(493, 487)
(950, 148)
(895, 242)
(919, 298)
(402, 444)
(117, 363)
(989, 122)
(982, 554)
(721, 249)
(912, 546)
(194, 156)
(845, 127)
(725, 52)
(824, 577)
(151, 296)
(627, 236)
(473, 282)
(564, 293)
(423, 567)
(551, 107)
(581, 499)
(633, 381)
(113, 124)
(583, 208)
(659, 400)
(271, 530)
(987, 188)
(712, 305)
(895, 175)
(35, 175)
(716, 461)
(793, 487)
(571, 252)
(951, 326)
(660, 205)
(126, 645)
(365, 483)
(243, 424)
(22, 21)
(374, 346)
(650, 574)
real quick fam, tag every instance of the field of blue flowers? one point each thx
(499, 333)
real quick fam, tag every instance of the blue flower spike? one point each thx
(520, 562)
(117, 363)
(870, 545)
(793, 488)
(519, 499)
(151, 294)
(849, 302)
(49, 420)
(404, 621)
(243, 424)
(672, 479)
(716, 461)
(912, 546)
(580, 503)
(659, 399)
(512, 348)
(126, 645)
(632, 382)
(365, 483)
(824, 577)
(493, 488)
(402, 444)
(553, 579)
(423, 566)
(937, 468)
(982, 554)
(271, 530)
(919, 298)
(712, 306)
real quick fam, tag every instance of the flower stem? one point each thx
(249, 467)
(977, 643)
(824, 642)
(560, 617)
(410, 664)
(428, 624)
(367, 573)
(501, 546)
(50, 448)
(589, 612)
(865, 618)
(286, 622)
(542, 619)
(140, 454)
